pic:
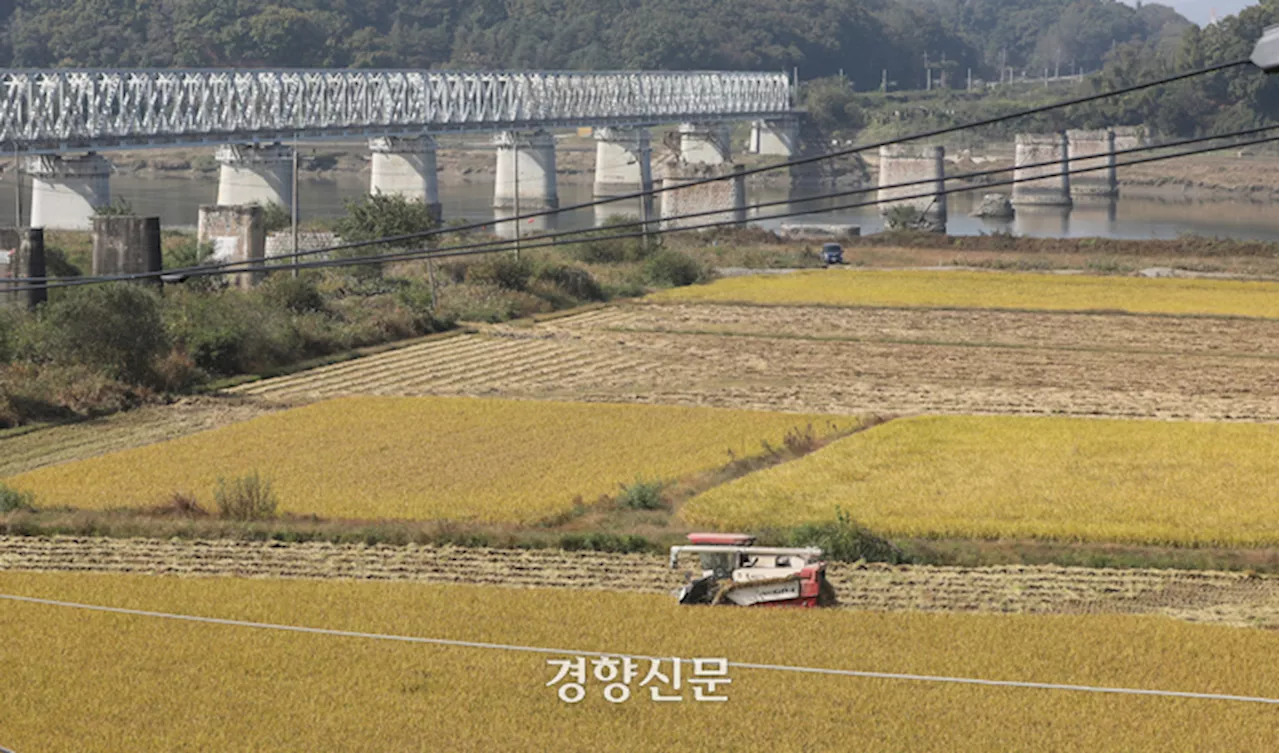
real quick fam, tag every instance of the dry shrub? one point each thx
(488, 303)
(181, 505)
(31, 392)
(246, 498)
(176, 371)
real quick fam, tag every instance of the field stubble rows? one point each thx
(849, 360)
(1213, 597)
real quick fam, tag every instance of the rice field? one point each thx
(130, 683)
(1178, 483)
(990, 290)
(454, 458)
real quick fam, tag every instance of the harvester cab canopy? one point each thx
(735, 572)
(724, 553)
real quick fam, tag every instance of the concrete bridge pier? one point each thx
(622, 161)
(526, 163)
(255, 174)
(1048, 185)
(779, 137)
(905, 163)
(704, 143)
(66, 191)
(1098, 184)
(406, 167)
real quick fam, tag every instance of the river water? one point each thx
(176, 201)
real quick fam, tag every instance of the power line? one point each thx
(797, 162)
(580, 652)
(493, 246)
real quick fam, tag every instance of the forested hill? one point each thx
(821, 37)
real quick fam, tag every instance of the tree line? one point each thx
(863, 39)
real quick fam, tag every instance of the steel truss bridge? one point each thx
(50, 111)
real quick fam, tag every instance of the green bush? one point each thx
(297, 294)
(502, 270)
(642, 495)
(116, 328)
(232, 332)
(575, 282)
(675, 269)
(383, 216)
(246, 498)
(276, 217)
(12, 500)
(56, 263)
(844, 540)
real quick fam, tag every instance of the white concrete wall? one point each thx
(906, 163)
(1048, 185)
(405, 167)
(528, 159)
(255, 175)
(622, 161)
(1100, 183)
(66, 191)
(704, 143)
(236, 233)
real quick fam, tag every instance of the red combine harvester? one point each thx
(735, 572)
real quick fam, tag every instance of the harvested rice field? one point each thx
(1237, 599)
(846, 361)
(426, 458)
(1149, 482)
(991, 290)
(132, 682)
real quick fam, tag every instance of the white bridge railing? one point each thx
(55, 110)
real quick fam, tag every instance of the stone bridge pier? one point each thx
(1097, 184)
(1048, 185)
(908, 163)
(66, 191)
(704, 144)
(255, 174)
(406, 167)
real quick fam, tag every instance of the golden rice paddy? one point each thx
(990, 290)
(427, 458)
(75, 679)
(1151, 482)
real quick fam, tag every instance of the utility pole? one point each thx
(517, 191)
(293, 208)
(1004, 63)
(1057, 62)
(968, 79)
(928, 74)
(884, 80)
(17, 188)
